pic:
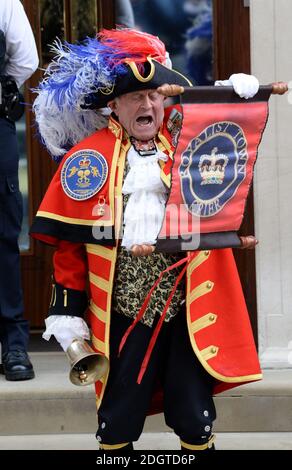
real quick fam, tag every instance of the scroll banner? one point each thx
(213, 167)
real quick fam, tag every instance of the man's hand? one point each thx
(246, 86)
(142, 250)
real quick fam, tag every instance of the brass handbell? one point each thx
(87, 366)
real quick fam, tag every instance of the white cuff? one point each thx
(65, 329)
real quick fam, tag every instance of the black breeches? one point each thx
(187, 388)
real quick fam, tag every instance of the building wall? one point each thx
(271, 49)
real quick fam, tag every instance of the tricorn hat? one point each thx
(153, 75)
(84, 77)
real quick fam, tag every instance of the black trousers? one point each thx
(14, 330)
(188, 404)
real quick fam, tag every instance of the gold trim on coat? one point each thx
(100, 314)
(203, 322)
(203, 361)
(202, 289)
(164, 142)
(98, 344)
(209, 352)
(70, 220)
(99, 282)
(99, 250)
(111, 255)
(201, 257)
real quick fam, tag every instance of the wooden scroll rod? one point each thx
(278, 88)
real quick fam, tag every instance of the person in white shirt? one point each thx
(18, 61)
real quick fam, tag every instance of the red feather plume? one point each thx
(130, 44)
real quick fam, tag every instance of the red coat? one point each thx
(218, 321)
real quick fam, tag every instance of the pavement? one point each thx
(49, 413)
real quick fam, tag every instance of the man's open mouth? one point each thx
(144, 120)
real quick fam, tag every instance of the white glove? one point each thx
(246, 86)
(65, 329)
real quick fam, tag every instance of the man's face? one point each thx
(140, 113)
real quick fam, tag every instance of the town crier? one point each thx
(173, 327)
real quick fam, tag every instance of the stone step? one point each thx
(50, 404)
(148, 441)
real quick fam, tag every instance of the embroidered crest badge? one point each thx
(212, 168)
(84, 174)
(173, 125)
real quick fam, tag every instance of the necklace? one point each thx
(144, 149)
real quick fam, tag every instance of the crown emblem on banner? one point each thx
(84, 163)
(212, 168)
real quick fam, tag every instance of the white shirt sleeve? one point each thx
(21, 52)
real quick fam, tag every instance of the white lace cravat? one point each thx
(144, 212)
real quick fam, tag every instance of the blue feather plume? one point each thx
(80, 69)
(76, 71)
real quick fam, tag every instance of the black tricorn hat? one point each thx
(82, 78)
(154, 74)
